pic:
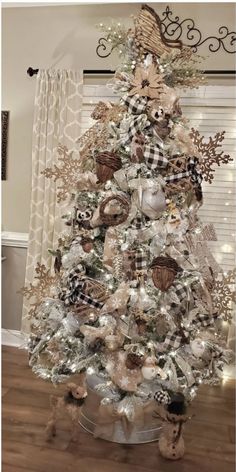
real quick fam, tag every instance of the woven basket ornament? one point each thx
(148, 35)
(164, 271)
(106, 164)
(120, 217)
(177, 165)
(94, 289)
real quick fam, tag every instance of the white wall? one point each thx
(66, 37)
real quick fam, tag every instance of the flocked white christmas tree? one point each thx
(133, 292)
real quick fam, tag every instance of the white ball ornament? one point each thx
(152, 203)
(198, 347)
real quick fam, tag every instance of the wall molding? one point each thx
(13, 239)
(12, 337)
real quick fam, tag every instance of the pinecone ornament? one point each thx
(133, 361)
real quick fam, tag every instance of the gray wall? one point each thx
(13, 277)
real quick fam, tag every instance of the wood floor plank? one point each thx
(209, 435)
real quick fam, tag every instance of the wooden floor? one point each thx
(209, 435)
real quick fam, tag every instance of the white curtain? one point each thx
(57, 119)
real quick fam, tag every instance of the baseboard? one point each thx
(12, 337)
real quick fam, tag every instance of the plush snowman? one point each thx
(150, 370)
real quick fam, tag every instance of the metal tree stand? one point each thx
(149, 431)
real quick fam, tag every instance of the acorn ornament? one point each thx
(164, 271)
(107, 163)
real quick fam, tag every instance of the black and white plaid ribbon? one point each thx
(202, 320)
(173, 340)
(73, 294)
(154, 157)
(140, 260)
(136, 124)
(136, 104)
(191, 172)
(181, 292)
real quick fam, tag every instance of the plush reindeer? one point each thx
(71, 403)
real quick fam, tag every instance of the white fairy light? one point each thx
(73, 367)
(90, 370)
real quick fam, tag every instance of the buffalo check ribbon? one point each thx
(74, 291)
(140, 260)
(135, 104)
(154, 157)
(202, 321)
(173, 340)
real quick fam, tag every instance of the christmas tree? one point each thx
(132, 301)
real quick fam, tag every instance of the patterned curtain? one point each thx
(57, 117)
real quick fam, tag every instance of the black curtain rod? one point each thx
(31, 72)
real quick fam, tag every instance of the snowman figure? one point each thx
(171, 442)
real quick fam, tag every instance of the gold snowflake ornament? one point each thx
(210, 155)
(67, 172)
(41, 289)
(224, 294)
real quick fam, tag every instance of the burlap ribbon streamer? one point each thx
(128, 415)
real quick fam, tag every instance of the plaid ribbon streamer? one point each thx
(181, 292)
(173, 340)
(191, 172)
(74, 293)
(136, 104)
(202, 320)
(136, 124)
(154, 157)
(140, 260)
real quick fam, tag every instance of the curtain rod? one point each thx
(31, 72)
